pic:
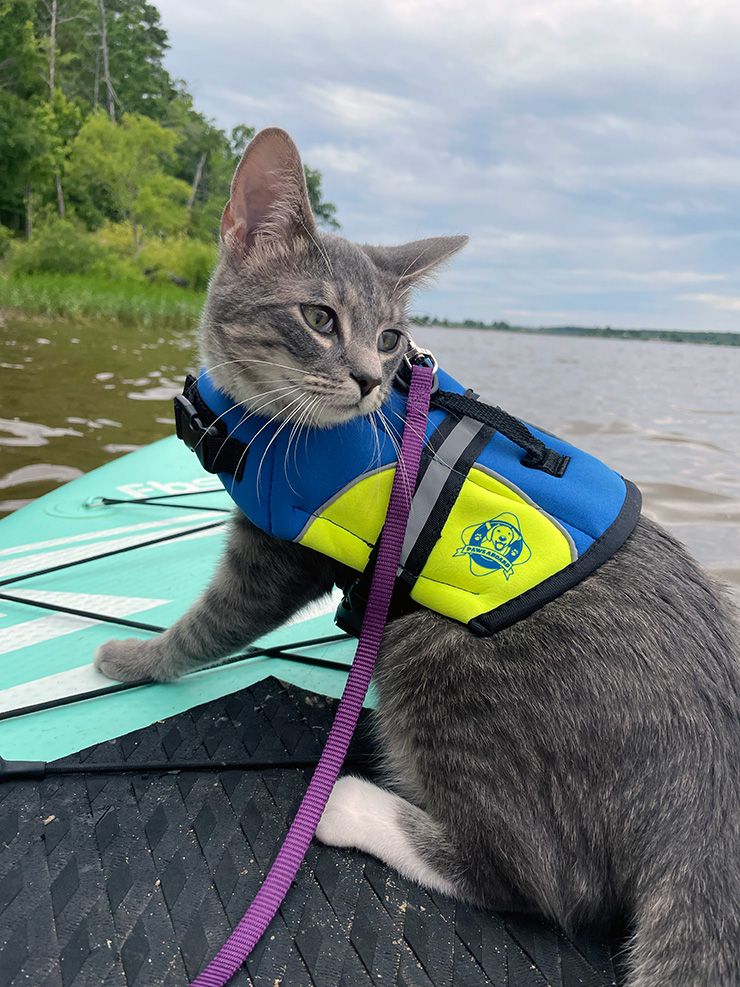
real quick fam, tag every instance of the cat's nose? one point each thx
(366, 384)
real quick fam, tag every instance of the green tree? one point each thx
(119, 171)
(137, 43)
(325, 212)
(21, 74)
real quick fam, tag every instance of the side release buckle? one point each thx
(217, 451)
(351, 610)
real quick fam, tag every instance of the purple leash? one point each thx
(276, 885)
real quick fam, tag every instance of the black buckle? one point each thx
(217, 451)
(191, 429)
(351, 610)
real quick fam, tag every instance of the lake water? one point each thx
(667, 415)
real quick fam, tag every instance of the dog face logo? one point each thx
(495, 544)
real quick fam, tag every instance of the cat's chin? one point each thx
(340, 415)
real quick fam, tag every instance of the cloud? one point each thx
(592, 150)
(723, 303)
(352, 107)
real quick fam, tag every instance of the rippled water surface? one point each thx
(667, 415)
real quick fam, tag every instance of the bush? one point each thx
(61, 247)
(6, 238)
(116, 261)
(58, 247)
(178, 259)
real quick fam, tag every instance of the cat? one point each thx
(583, 763)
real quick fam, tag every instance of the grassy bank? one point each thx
(83, 296)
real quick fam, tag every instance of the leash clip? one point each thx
(417, 354)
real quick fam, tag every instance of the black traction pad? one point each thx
(135, 880)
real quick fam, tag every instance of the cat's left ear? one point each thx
(268, 193)
(413, 261)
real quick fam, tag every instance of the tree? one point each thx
(21, 75)
(325, 212)
(137, 43)
(119, 171)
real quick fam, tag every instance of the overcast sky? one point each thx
(590, 148)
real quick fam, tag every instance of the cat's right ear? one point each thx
(269, 197)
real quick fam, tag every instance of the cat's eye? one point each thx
(388, 340)
(319, 318)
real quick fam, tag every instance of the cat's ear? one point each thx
(413, 261)
(268, 193)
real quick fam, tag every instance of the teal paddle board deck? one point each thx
(166, 553)
(131, 861)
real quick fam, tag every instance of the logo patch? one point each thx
(495, 544)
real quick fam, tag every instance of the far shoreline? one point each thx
(699, 336)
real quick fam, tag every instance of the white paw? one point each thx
(348, 817)
(127, 661)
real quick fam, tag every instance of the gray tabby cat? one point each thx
(583, 763)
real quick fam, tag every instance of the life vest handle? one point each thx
(537, 456)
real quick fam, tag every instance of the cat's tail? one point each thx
(687, 929)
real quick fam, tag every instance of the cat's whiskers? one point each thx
(261, 429)
(283, 424)
(295, 433)
(376, 437)
(242, 403)
(302, 420)
(216, 366)
(428, 445)
(271, 363)
(250, 413)
(313, 419)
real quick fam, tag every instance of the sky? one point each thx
(590, 149)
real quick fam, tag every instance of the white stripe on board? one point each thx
(43, 560)
(42, 629)
(107, 532)
(69, 683)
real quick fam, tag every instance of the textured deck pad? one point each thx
(137, 879)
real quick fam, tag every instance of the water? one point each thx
(667, 415)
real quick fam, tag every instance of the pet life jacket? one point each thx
(504, 518)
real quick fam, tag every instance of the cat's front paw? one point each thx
(131, 660)
(346, 817)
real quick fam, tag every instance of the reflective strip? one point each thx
(432, 483)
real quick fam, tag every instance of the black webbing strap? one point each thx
(206, 435)
(537, 456)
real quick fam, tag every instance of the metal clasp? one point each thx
(417, 354)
